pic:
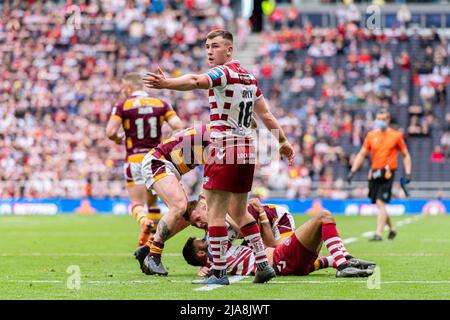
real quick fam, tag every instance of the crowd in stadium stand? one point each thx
(61, 75)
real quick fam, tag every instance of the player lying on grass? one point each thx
(281, 223)
(296, 255)
(276, 223)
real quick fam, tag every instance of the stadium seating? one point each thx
(56, 92)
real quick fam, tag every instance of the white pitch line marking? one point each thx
(210, 287)
(239, 278)
(368, 234)
(349, 240)
(364, 281)
(413, 254)
(77, 254)
(400, 223)
(345, 241)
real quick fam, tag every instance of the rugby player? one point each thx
(141, 118)
(162, 169)
(279, 219)
(295, 255)
(233, 96)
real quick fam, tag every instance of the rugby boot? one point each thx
(392, 235)
(376, 238)
(264, 275)
(153, 265)
(140, 255)
(347, 271)
(223, 281)
(361, 264)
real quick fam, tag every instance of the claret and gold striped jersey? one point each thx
(186, 149)
(142, 118)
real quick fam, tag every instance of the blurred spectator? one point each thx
(437, 156)
(339, 192)
(243, 31)
(300, 185)
(427, 93)
(58, 85)
(445, 144)
(404, 61)
(404, 16)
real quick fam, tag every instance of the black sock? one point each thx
(260, 266)
(343, 266)
(219, 273)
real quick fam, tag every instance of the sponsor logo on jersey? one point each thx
(221, 153)
(215, 73)
(245, 79)
(287, 241)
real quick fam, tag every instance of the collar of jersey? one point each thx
(139, 93)
(232, 61)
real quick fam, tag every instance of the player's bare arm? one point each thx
(112, 130)
(271, 123)
(359, 160)
(175, 123)
(407, 162)
(184, 83)
(264, 224)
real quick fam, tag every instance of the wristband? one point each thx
(265, 221)
(282, 142)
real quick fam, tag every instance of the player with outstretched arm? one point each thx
(233, 97)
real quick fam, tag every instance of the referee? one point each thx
(383, 144)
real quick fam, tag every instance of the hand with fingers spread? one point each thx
(155, 80)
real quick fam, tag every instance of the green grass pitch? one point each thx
(36, 251)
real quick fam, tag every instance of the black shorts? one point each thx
(381, 189)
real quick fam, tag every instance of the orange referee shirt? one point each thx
(383, 147)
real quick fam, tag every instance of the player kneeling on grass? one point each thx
(296, 255)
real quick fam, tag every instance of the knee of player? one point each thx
(325, 216)
(178, 205)
(136, 204)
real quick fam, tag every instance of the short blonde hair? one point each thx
(220, 33)
(132, 79)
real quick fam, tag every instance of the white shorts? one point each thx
(133, 174)
(153, 169)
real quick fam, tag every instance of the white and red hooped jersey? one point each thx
(232, 96)
(240, 261)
